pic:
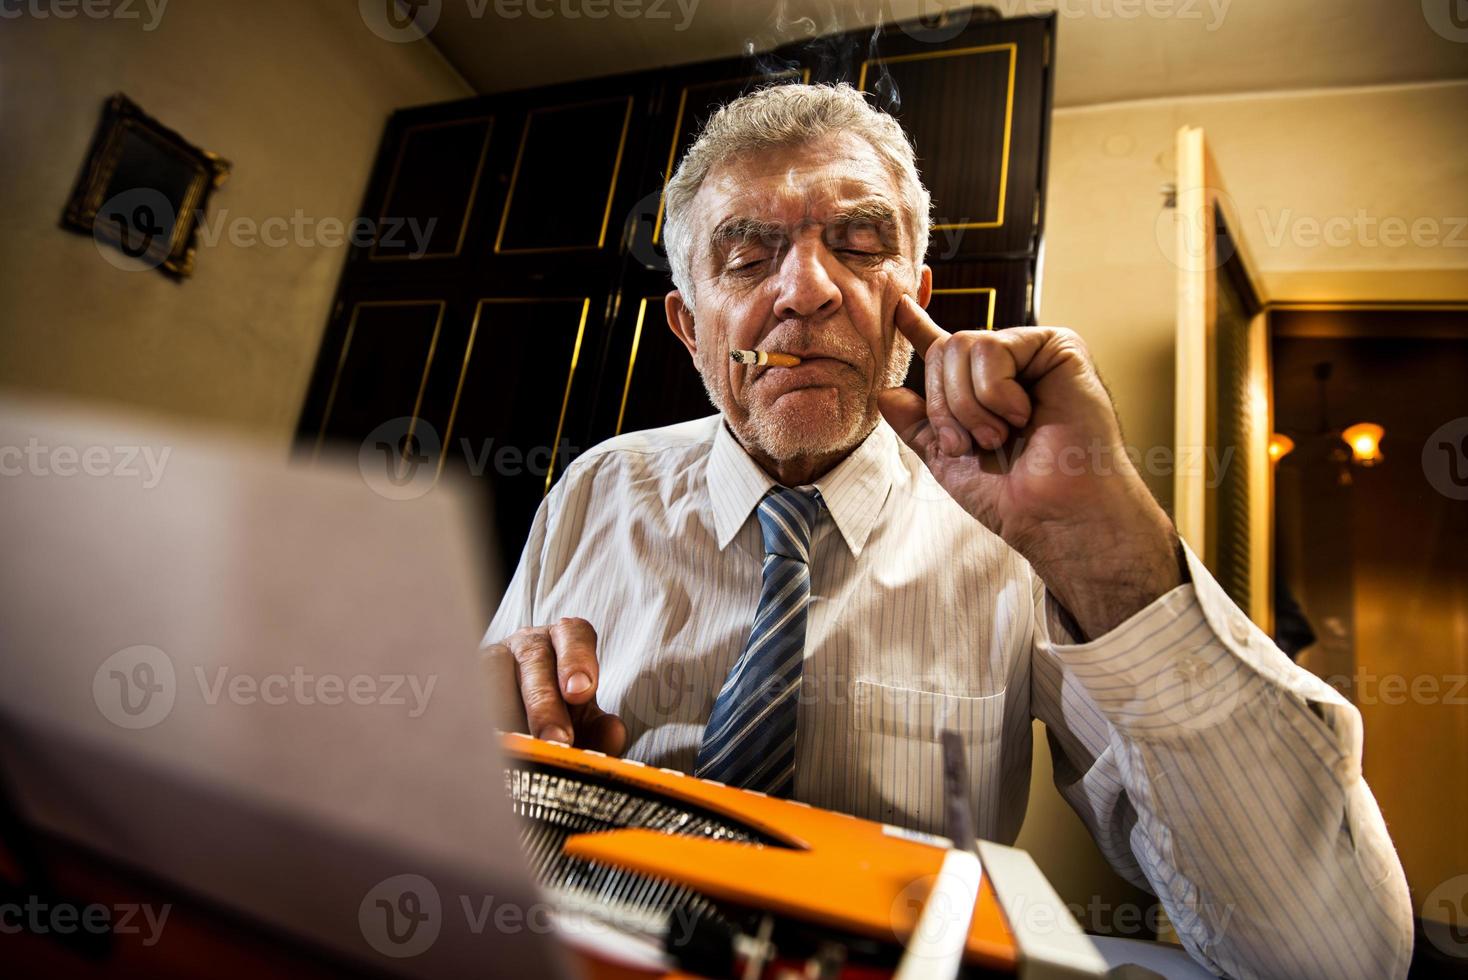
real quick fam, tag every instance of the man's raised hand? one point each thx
(1020, 431)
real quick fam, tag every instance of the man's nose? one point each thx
(806, 288)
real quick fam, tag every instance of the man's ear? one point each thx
(680, 321)
(925, 286)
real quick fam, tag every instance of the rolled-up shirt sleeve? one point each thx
(1226, 779)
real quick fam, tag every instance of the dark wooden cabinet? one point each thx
(505, 307)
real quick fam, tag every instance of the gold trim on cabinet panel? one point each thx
(570, 374)
(657, 227)
(1013, 49)
(515, 177)
(993, 296)
(632, 360)
(392, 184)
(341, 361)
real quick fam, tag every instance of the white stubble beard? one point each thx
(833, 433)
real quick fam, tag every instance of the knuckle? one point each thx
(530, 649)
(541, 700)
(1070, 337)
(576, 623)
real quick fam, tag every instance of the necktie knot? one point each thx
(787, 517)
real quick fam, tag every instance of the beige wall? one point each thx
(1284, 157)
(1387, 151)
(295, 94)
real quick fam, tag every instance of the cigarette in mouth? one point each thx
(763, 357)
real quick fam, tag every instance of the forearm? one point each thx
(1232, 778)
(1110, 563)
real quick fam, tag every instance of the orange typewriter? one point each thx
(715, 881)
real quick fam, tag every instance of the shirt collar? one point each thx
(854, 490)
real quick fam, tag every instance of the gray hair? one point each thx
(786, 115)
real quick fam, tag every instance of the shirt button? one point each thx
(1238, 628)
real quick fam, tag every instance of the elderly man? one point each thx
(797, 596)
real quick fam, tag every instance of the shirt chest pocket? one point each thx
(894, 757)
(922, 715)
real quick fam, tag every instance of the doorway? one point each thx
(1371, 554)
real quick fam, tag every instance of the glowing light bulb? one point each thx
(1364, 438)
(1279, 446)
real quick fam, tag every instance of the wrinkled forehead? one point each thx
(796, 185)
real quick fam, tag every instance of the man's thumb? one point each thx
(907, 412)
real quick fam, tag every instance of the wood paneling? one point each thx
(382, 367)
(546, 245)
(518, 371)
(565, 176)
(431, 191)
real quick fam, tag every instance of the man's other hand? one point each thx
(551, 673)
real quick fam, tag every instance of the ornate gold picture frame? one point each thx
(143, 188)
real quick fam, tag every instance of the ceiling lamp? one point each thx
(1364, 438)
(1279, 446)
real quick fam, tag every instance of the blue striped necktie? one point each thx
(750, 738)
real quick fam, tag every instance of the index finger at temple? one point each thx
(915, 324)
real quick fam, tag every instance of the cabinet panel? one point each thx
(659, 384)
(507, 419)
(697, 101)
(382, 369)
(565, 177)
(431, 191)
(981, 79)
(976, 112)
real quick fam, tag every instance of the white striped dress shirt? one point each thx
(1208, 767)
